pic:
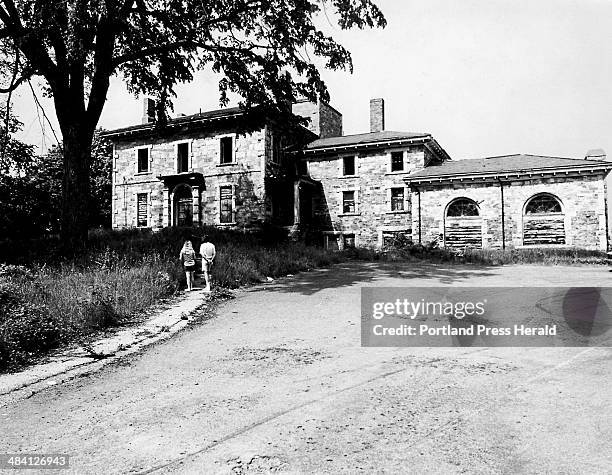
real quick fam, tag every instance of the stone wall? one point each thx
(245, 174)
(372, 183)
(582, 198)
(325, 121)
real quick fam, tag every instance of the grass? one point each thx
(48, 299)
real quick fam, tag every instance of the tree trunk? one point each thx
(75, 193)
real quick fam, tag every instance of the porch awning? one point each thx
(189, 178)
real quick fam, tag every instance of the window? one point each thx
(462, 207)
(349, 241)
(182, 157)
(544, 221)
(276, 149)
(397, 199)
(227, 150)
(226, 204)
(348, 202)
(142, 210)
(397, 161)
(348, 166)
(543, 204)
(143, 160)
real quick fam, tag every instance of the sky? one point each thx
(484, 77)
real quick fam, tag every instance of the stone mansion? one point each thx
(350, 190)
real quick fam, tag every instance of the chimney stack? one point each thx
(596, 154)
(148, 110)
(377, 115)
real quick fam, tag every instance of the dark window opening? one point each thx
(142, 210)
(227, 150)
(543, 204)
(331, 243)
(348, 201)
(397, 199)
(143, 160)
(348, 166)
(182, 157)
(226, 205)
(276, 149)
(349, 241)
(397, 161)
(462, 207)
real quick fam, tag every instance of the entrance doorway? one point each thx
(183, 206)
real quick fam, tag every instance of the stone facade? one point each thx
(324, 120)
(583, 210)
(358, 190)
(245, 174)
(372, 183)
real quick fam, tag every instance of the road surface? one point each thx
(277, 382)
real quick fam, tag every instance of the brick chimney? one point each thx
(596, 154)
(148, 110)
(377, 115)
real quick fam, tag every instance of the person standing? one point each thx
(208, 253)
(188, 258)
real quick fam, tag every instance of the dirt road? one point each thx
(277, 381)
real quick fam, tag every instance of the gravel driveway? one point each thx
(277, 381)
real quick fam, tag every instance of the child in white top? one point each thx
(208, 253)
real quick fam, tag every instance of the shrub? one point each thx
(26, 329)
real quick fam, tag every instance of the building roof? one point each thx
(208, 116)
(506, 164)
(362, 139)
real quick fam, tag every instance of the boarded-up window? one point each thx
(397, 199)
(463, 225)
(227, 149)
(226, 204)
(142, 210)
(397, 161)
(396, 239)
(544, 221)
(143, 160)
(348, 201)
(182, 157)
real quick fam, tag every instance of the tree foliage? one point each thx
(31, 190)
(266, 51)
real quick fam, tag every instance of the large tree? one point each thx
(264, 50)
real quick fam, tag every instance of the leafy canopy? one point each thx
(265, 50)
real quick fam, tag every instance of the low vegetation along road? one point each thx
(277, 381)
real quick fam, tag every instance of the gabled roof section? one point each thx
(510, 165)
(371, 141)
(360, 139)
(181, 121)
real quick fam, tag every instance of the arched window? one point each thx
(543, 203)
(462, 207)
(543, 221)
(463, 225)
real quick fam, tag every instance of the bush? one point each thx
(26, 330)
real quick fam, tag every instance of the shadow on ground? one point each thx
(347, 274)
